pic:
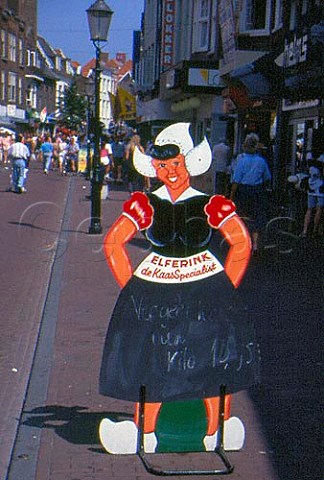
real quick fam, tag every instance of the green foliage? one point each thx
(74, 112)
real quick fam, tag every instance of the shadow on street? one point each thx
(285, 296)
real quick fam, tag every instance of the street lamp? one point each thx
(89, 87)
(99, 17)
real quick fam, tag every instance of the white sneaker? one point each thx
(234, 436)
(121, 437)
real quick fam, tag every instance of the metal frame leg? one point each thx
(219, 450)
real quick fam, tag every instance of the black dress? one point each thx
(181, 339)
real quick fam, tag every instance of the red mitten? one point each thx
(139, 210)
(218, 210)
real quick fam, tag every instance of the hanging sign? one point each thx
(168, 33)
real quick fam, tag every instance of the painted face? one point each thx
(172, 172)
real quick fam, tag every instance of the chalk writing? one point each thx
(151, 313)
(180, 360)
(168, 338)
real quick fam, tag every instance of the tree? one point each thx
(74, 112)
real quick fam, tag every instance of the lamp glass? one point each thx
(99, 18)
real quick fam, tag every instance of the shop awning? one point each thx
(262, 78)
(6, 122)
(256, 83)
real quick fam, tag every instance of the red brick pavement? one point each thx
(29, 227)
(67, 421)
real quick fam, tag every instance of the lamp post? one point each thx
(99, 18)
(89, 86)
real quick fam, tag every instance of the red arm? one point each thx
(221, 215)
(138, 215)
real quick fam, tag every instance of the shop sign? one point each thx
(11, 110)
(289, 105)
(204, 77)
(227, 28)
(296, 51)
(168, 33)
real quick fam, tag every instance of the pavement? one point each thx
(57, 296)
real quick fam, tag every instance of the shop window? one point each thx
(254, 17)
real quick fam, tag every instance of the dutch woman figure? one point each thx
(178, 326)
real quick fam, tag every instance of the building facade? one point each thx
(231, 67)
(18, 34)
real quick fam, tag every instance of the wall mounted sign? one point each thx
(168, 33)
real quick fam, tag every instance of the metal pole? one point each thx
(96, 181)
(88, 169)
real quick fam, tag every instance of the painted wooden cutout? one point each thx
(179, 326)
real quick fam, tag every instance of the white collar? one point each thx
(164, 194)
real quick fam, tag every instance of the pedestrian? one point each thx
(132, 176)
(106, 165)
(314, 185)
(221, 157)
(107, 157)
(7, 141)
(18, 154)
(250, 177)
(118, 152)
(72, 153)
(47, 150)
(31, 146)
(172, 305)
(62, 150)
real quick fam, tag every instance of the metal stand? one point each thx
(219, 450)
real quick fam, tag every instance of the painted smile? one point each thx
(173, 179)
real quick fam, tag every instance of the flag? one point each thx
(126, 105)
(43, 115)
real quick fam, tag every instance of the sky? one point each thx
(64, 24)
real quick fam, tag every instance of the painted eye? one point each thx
(162, 165)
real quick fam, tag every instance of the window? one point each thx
(20, 52)
(304, 7)
(12, 44)
(278, 15)
(255, 16)
(201, 25)
(12, 87)
(2, 86)
(293, 15)
(32, 59)
(3, 39)
(31, 96)
(58, 63)
(204, 8)
(20, 90)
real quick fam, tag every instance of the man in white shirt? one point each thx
(19, 155)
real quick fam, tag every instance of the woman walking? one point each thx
(250, 177)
